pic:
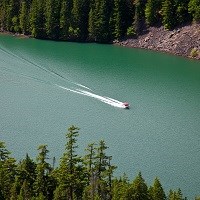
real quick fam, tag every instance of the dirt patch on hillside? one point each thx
(183, 41)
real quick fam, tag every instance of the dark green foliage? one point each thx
(139, 17)
(152, 11)
(168, 10)
(194, 9)
(4, 153)
(120, 188)
(182, 14)
(37, 19)
(43, 182)
(70, 174)
(79, 21)
(7, 176)
(52, 14)
(65, 18)
(23, 22)
(156, 192)
(93, 20)
(176, 195)
(99, 16)
(76, 178)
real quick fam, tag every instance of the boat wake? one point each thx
(104, 99)
(79, 88)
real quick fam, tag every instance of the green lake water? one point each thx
(47, 86)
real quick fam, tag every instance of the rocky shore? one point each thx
(182, 41)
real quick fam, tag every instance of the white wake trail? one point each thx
(103, 99)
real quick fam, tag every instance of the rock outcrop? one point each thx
(182, 41)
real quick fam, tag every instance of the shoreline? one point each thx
(183, 41)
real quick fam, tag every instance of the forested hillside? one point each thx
(88, 177)
(93, 20)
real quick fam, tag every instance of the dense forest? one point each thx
(88, 177)
(93, 20)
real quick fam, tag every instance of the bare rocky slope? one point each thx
(182, 41)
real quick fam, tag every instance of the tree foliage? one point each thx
(93, 20)
(88, 177)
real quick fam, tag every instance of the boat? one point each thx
(126, 105)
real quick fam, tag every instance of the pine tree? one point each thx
(70, 174)
(156, 191)
(175, 195)
(120, 188)
(52, 13)
(91, 22)
(117, 19)
(3, 5)
(79, 24)
(65, 18)
(23, 21)
(182, 14)
(75, 32)
(7, 172)
(139, 17)
(37, 19)
(152, 11)
(43, 182)
(4, 153)
(7, 176)
(138, 189)
(99, 17)
(89, 191)
(104, 171)
(25, 177)
(194, 9)
(168, 10)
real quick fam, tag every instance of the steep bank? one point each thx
(182, 41)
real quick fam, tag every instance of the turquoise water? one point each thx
(47, 86)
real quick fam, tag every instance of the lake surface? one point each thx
(47, 86)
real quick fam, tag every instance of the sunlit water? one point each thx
(47, 86)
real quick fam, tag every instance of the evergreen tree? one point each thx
(194, 9)
(104, 171)
(138, 189)
(65, 18)
(23, 21)
(79, 22)
(3, 6)
(182, 14)
(37, 19)
(152, 11)
(91, 22)
(168, 10)
(116, 20)
(43, 182)
(156, 191)
(99, 17)
(25, 177)
(89, 191)
(7, 172)
(52, 13)
(70, 174)
(120, 188)
(139, 17)
(74, 30)
(4, 153)
(7, 176)
(175, 195)
(100, 172)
